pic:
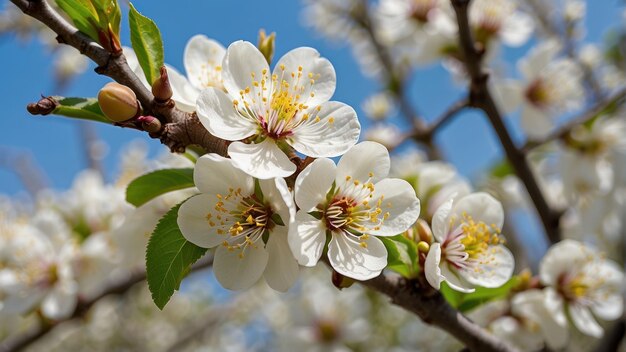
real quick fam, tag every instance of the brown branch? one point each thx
(397, 84)
(433, 309)
(481, 97)
(419, 298)
(180, 128)
(562, 132)
(118, 288)
(443, 119)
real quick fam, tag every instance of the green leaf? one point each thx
(483, 295)
(83, 15)
(146, 40)
(402, 255)
(454, 298)
(80, 108)
(149, 186)
(467, 301)
(501, 169)
(169, 258)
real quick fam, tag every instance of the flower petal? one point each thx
(495, 269)
(306, 238)
(431, 266)
(455, 282)
(218, 115)
(282, 268)
(561, 258)
(314, 68)
(193, 220)
(440, 223)
(362, 160)
(202, 58)
(61, 301)
(535, 122)
(538, 58)
(584, 321)
(263, 160)
(349, 258)
(314, 182)
(399, 204)
(277, 194)
(516, 29)
(185, 94)
(236, 272)
(337, 131)
(481, 207)
(530, 305)
(242, 59)
(216, 174)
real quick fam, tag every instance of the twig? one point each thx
(26, 168)
(22, 341)
(408, 111)
(590, 114)
(481, 97)
(429, 305)
(180, 128)
(433, 309)
(442, 120)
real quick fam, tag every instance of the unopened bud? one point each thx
(118, 102)
(266, 45)
(44, 106)
(150, 123)
(423, 231)
(341, 281)
(161, 88)
(423, 247)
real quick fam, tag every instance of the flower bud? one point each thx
(150, 123)
(266, 45)
(44, 106)
(423, 230)
(118, 102)
(161, 88)
(423, 247)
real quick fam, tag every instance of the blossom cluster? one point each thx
(71, 245)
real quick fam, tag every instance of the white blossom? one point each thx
(354, 203)
(262, 112)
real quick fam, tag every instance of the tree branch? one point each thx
(562, 132)
(27, 338)
(481, 97)
(420, 130)
(180, 128)
(433, 309)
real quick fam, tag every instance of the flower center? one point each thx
(583, 288)
(349, 210)
(279, 105)
(538, 93)
(468, 245)
(241, 219)
(421, 8)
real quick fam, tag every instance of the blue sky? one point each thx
(55, 144)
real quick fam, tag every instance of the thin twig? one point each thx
(417, 123)
(590, 114)
(481, 97)
(442, 120)
(20, 342)
(180, 128)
